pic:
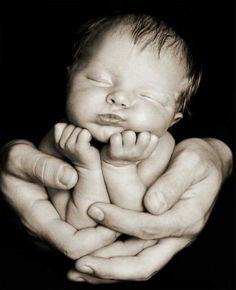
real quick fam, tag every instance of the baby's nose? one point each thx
(120, 99)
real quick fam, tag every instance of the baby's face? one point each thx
(123, 87)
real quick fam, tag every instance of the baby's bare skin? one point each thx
(131, 163)
(74, 143)
(126, 160)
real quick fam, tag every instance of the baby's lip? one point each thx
(110, 119)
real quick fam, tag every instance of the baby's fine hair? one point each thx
(145, 30)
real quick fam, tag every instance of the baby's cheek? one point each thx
(141, 122)
(151, 122)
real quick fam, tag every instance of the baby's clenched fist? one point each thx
(129, 147)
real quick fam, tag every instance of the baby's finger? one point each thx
(65, 135)
(143, 140)
(76, 276)
(116, 144)
(84, 139)
(58, 130)
(148, 143)
(129, 139)
(151, 146)
(71, 142)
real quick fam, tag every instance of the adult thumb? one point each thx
(168, 189)
(22, 159)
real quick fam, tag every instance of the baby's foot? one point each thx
(128, 147)
(74, 143)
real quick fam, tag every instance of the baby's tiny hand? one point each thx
(74, 143)
(128, 147)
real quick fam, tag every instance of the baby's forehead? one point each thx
(159, 46)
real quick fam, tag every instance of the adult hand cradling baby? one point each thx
(179, 202)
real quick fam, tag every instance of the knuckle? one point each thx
(147, 232)
(116, 153)
(70, 251)
(129, 136)
(196, 227)
(154, 138)
(129, 133)
(68, 146)
(146, 153)
(116, 138)
(195, 224)
(58, 126)
(41, 168)
(143, 272)
(136, 153)
(61, 144)
(144, 136)
(153, 142)
(9, 157)
(193, 157)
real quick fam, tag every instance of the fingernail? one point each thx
(96, 213)
(80, 280)
(67, 176)
(156, 203)
(149, 243)
(160, 203)
(85, 269)
(117, 234)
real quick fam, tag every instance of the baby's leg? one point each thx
(74, 143)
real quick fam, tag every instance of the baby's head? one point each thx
(129, 72)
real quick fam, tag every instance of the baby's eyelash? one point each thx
(146, 96)
(99, 80)
(93, 79)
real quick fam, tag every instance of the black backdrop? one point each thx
(36, 41)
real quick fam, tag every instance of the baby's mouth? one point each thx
(110, 119)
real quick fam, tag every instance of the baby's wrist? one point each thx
(118, 162)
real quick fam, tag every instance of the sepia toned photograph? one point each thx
(117, 145)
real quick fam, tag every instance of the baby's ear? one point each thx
(178, 116)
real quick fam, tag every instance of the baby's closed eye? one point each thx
(100, 79)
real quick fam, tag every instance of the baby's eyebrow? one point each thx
(100, 68)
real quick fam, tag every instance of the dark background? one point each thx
(36, 42)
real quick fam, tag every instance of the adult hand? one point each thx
(24, 173)
(180, 202)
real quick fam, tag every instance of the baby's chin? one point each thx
(104, 133)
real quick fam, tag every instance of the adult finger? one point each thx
(76, 276)
(188, 166)
(140, 267)
(40, 217)
(187, 217)
(133, 223)
(23, 160)
(130, 247)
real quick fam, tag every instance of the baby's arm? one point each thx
(58, 197)
(131, 163)
(74, 143)
(152, 167)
